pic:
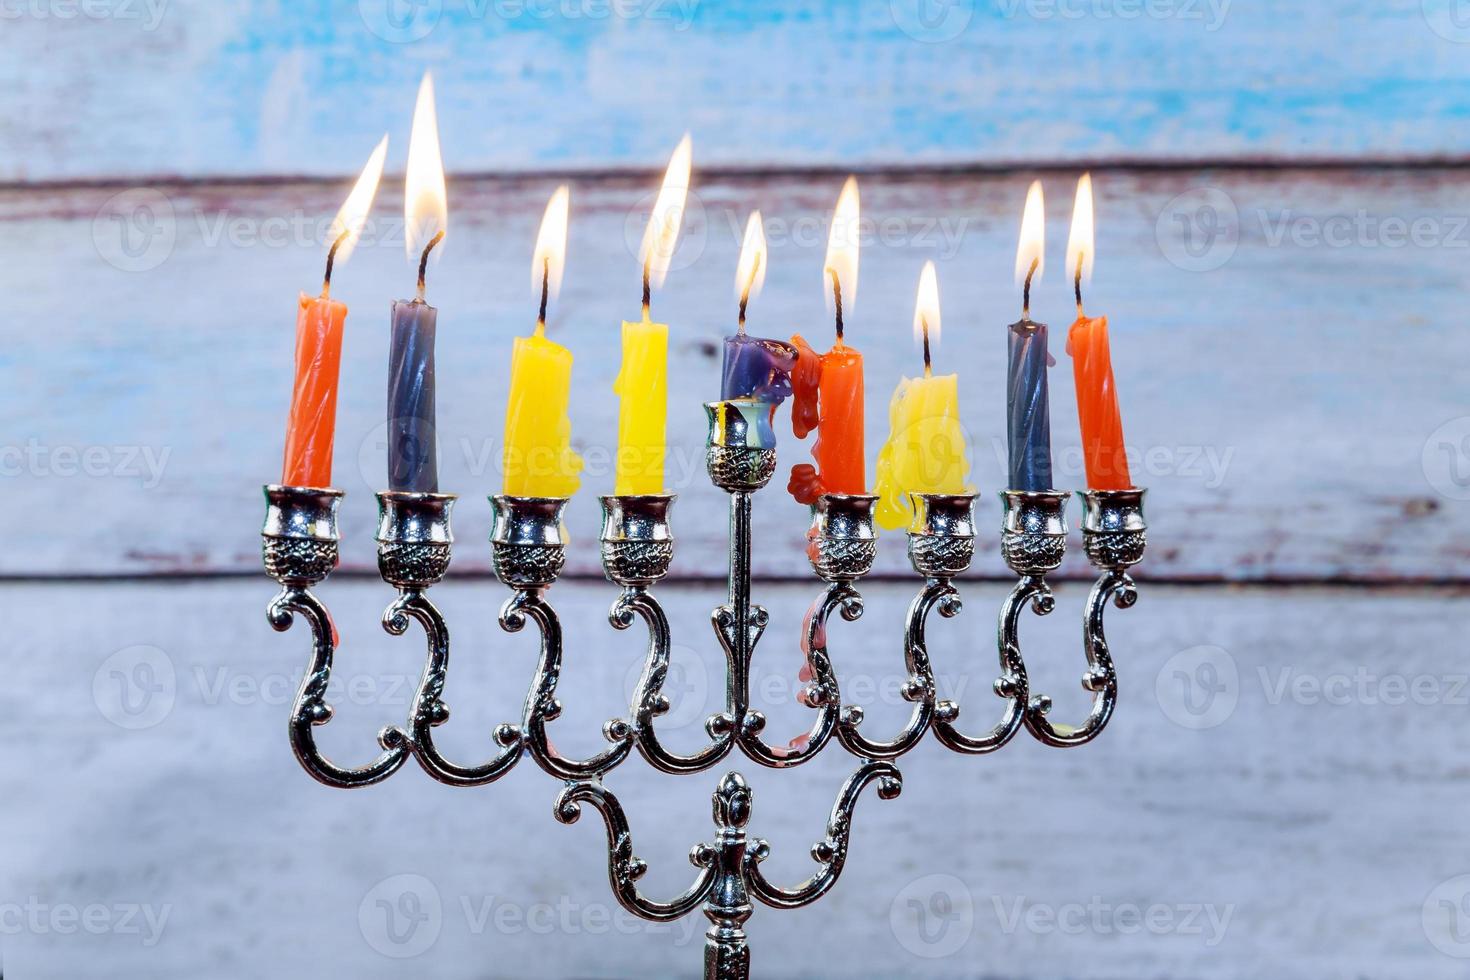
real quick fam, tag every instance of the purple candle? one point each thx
(757, 367)
(412, 459)
(1028, 412)
(413, 464)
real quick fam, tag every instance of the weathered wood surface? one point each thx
(154, 87)
(1283, 403)
(1314, 828)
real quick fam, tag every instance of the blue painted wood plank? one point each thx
(307, 88)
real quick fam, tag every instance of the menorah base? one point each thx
(730, 874)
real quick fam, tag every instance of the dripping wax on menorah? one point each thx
(528, 544)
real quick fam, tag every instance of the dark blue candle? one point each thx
(1028, 413)
(412, 459)
(756, 367)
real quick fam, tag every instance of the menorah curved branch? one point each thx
(430, 711)
(831, 851)
(300, 549)
(821, 693)
(623, 867)
(542, 704)
(311, 708)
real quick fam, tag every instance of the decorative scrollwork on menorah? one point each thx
(529, 551)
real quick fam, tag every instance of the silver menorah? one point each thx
(529, 551)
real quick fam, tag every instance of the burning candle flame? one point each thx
(347, 226)
(425, 203)
(842, 248)
(1080, 253)
(549, 260)
(750, 274)
(662, 233)
(1032, 247)
(926, 312)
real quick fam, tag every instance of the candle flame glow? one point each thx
(1032, 246)
(842, 247)
(549, 260)
(926, 306)
(750, 274)
(1080, 248)
(425, 203)
(353, 215)
(662, 233)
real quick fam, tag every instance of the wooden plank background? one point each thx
(1316, 830)
(1282, 405)
(1284, 221)
(241, 88)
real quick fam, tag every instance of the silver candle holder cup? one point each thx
(528, 540)
(942, 535)
(1114, 533)
(637, 539)
(414, 537)
(842, 542)
(741, 453)
(299, 540)
(1033, 537)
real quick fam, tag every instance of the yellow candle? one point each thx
(643, 382)
(643, 390)
(539, 459)
(925, 451)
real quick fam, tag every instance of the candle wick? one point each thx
(928, 363)
(1026, 290)
(647, 290)
(545, 292)
(1077, 283)
(331, 259)
(837, 301)
(424, 263)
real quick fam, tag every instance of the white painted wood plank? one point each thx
(1281, 404)
(1321, 827)
(236, 88)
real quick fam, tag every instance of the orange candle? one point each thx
(313, 419)
(1097, 405)
(1103, 451)
(828, 397)
(312, 424)
(828, 388)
